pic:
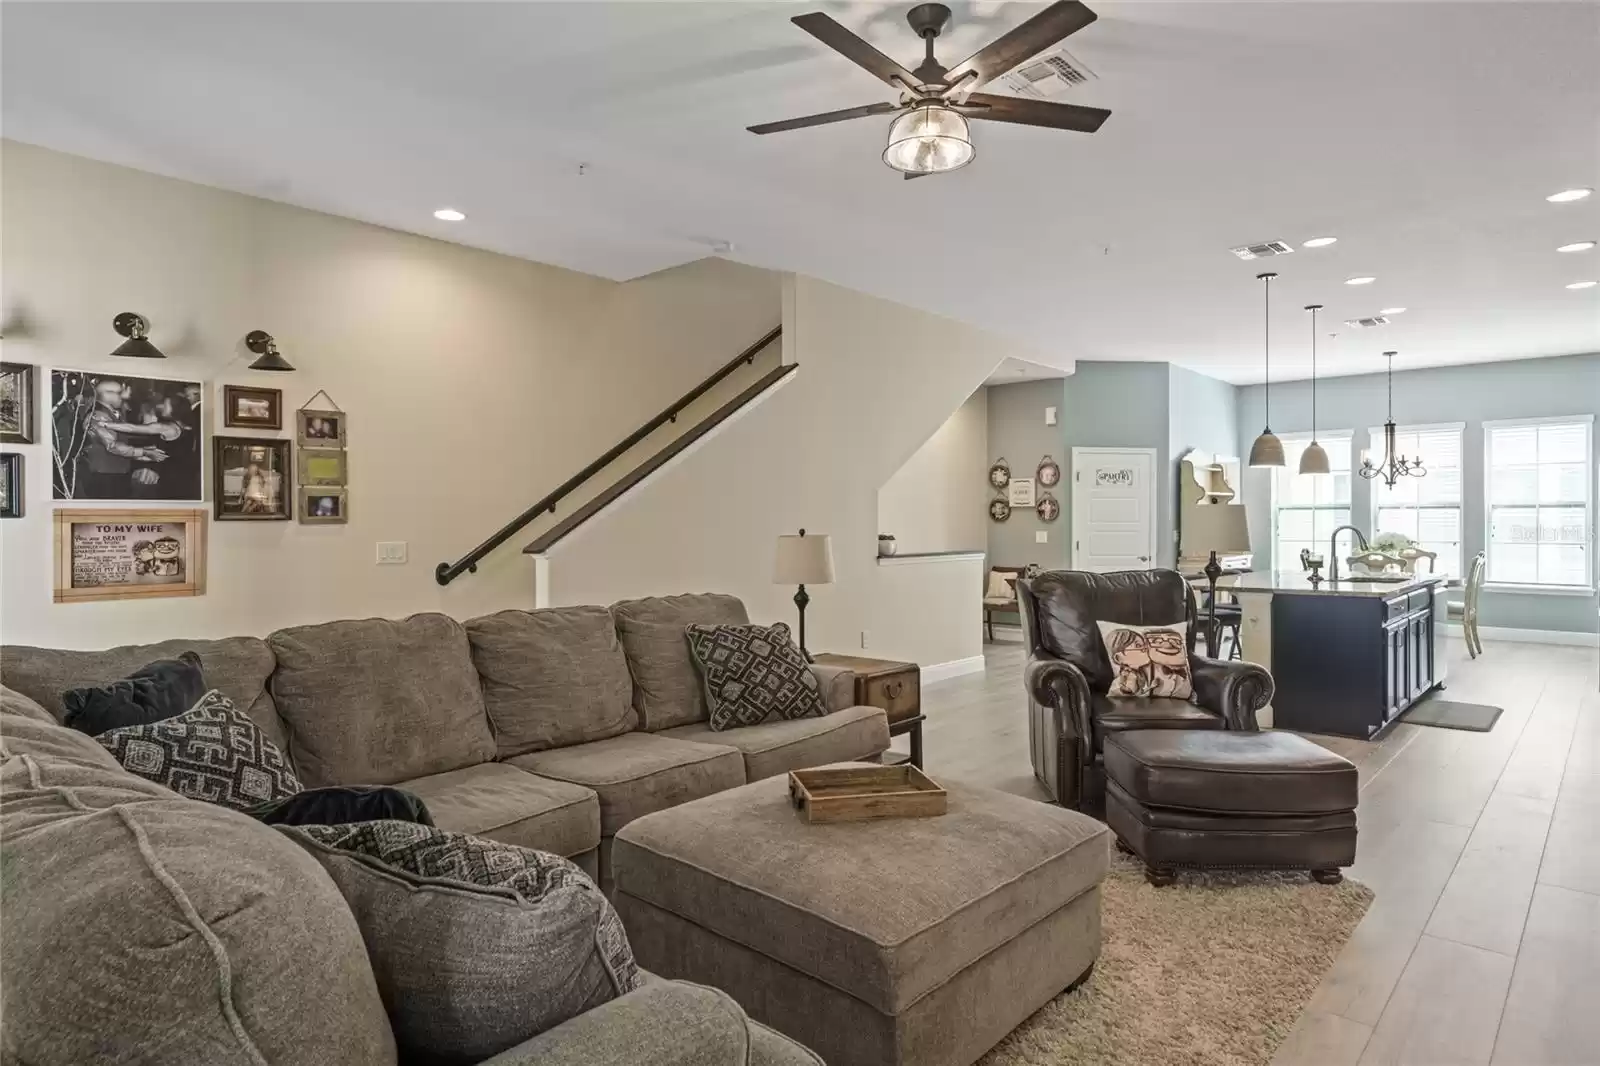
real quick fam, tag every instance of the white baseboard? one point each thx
(1528, 636)
(945, 671)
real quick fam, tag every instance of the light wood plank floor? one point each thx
(1483, 944)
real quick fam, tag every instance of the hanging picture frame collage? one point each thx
(1031, 492)
(323, 436)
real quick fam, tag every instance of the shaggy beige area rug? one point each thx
(1211, 971)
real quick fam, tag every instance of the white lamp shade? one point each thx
(1223, 529)
(804, 560)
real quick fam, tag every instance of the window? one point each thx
(1426, 509)
(1540, 473)
(1307, 508)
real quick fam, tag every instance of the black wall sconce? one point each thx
(136, 328)
(261, 342)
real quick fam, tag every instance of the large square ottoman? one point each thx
(904, 941)
(1214, 798)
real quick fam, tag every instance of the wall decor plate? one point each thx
(10, 485)
(247, 407)
(1000, 473)
(1049, 473)
(1020, 492)
(250, 480)
(119, 437)
(323, 506)
(16, 403)
(323, 466)
(1047, 508)
(999, 509)
(123, 555)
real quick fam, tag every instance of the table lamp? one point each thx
(803, 561)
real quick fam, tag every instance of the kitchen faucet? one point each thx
(1333, 549)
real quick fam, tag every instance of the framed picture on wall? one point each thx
(320, 506)
(322, 466)
(124, 555)
(1020, 492)
(247, 407)
(115, 436)
(16, 403)
(250, 480)
(320, 429)
(10, 485)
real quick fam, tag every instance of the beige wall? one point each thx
(928, 611)
(938, 500)
(475, 382)
(876, 380)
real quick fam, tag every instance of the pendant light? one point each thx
(1314, 460)
(1268, 449)
(1394, 465)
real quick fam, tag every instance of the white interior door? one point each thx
(1113, 508)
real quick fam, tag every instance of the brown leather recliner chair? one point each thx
(1068, 673)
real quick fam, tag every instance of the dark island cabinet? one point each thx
(1349, 664)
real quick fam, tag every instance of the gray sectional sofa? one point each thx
(550, 729)
(143, 927)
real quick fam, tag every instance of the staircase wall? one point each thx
(876, 380)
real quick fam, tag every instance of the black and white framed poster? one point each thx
(121, 437)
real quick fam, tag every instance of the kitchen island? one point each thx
(1347, 657)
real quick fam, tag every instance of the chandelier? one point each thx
(1394, 466)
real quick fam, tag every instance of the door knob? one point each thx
(1144, 558)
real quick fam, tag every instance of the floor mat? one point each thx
(1448, 714)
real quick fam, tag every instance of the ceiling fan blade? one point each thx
(1035, 112)
(1054, 23)
(855, 49)
(864, 111)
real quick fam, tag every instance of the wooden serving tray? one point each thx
(861, 793)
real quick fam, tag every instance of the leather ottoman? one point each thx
(901, 942)
(1202, 798)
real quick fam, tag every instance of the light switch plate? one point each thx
(1041, 537)
(1049, 416)
(391, 552)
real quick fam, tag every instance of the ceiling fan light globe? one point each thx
(929, 140)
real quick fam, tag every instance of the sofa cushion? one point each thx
(376, 701)
(476, 945)
(1108, 715)
(638, 773)
(211, 753)
(512, 806)
(144, 928)
(666, 686)
(552, 678)
(236, 666)
(752, 674)
(162, 689)
(1231, 772)
(778, 747)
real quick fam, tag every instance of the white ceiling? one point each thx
(1425, 135)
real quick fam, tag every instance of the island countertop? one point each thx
(1296, 583)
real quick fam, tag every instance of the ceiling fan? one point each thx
(930, 134)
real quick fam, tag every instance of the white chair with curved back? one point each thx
(1466, 608)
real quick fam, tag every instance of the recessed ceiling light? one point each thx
(1319, 242)
(1393, 311)
(1566, 196)
(1576, 246)
(1583, 285)
(1363, 280)
(449, 214)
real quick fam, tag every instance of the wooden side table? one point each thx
(894, 686)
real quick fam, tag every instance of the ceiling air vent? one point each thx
(1047, 76)
(1367, 323)
(1261, 251)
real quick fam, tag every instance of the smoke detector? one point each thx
(1048, 75)
(1367, 323)
(1262, 251)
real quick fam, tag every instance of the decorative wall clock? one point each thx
(999, 509)
(1000, 473)
(1049, 473)
(1048, 509)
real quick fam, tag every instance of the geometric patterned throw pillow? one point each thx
(211, 752)
(753, 673)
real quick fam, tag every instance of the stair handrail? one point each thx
(445, 573)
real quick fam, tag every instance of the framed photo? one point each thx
(250, 480)
(319, 505)
(1020, 492)
(1049, 473)
(999, 509)
(10, 485)
(120, 437)
(16, 403)
(322, 466)
(247, 407)
(320, 429)
(124, 555)
(1048, 508)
